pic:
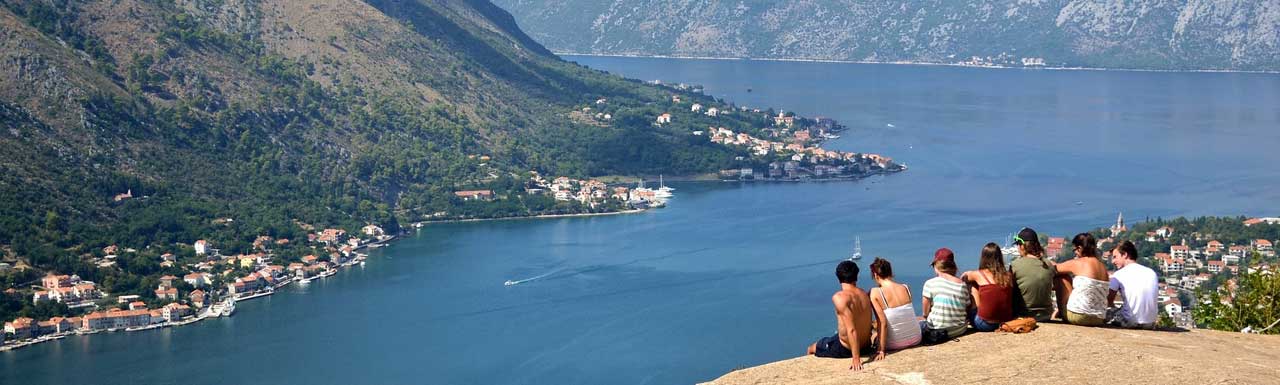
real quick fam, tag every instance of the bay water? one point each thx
(734, 274)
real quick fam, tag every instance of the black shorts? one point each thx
(830, 347)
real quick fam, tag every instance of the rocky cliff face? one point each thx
(1150, 34)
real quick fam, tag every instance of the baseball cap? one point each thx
(1026, 234)
(943, 254)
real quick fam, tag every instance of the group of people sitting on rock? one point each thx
(884, 319)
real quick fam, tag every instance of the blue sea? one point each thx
(735, 274)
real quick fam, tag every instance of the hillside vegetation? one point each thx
(233, 119)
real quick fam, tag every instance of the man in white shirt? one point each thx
(1138, 285)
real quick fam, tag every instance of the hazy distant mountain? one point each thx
(1154, 34)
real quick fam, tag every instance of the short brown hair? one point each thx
(881, 268)
(1128, 249)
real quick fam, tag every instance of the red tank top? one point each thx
(995, 303)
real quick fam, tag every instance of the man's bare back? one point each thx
(853, 320)
(853, 308)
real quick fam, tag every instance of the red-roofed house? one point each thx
(52, 281)
(174, 312)
(1213, 247)
(64, 325)
(472, 195)
(1216, 266)
(21, 328)
(167, 293)
(247, 284)
(197, 297)
(1054, 246)
(1264, 246)
(1168, 263)
(137, 305)
(331, 236)
(167, 281)
(1180, 251)
(198, 279)
(1234, 254)
(1268, 220)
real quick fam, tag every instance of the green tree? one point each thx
(1253, 306)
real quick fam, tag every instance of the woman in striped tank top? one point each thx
(896, 323)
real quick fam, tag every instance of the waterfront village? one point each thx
(786, 148)
(791, 143)
(1192, 264)
(212, 285)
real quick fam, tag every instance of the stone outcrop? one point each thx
(1054, 353)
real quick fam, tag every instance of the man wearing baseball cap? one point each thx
(1033, 278)
(946, 298)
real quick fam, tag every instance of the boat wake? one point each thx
(535, 278)
(565, 273)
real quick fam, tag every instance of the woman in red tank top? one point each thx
(992, 289)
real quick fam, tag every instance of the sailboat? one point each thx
(663, 191)
(857, 249)
(1010, 250)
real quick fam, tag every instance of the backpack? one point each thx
(1018, 326)
(933, 336)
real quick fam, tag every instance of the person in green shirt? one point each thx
(1033, 276)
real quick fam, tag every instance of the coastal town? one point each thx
(773, 146)
(211, 286)
(782, 146)
(1193, 264)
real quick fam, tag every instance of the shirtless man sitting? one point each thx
(853, 320)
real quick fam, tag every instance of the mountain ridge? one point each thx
(1156, 34)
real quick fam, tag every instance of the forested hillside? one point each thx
(233, 119)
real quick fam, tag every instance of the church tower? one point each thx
(1119, 227)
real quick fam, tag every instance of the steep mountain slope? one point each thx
(269, 112)
(1153, 34)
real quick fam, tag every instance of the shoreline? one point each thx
(910, 63)
(540, 216)
(198, 317)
